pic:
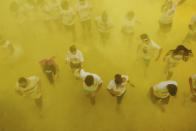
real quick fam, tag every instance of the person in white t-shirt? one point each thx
(147, 49)
(104, 26)
(30, 88)
(21, 10)
(91, 84)
(192, 83)
(174, 57)
(128, 26)
(51, 12)
(68, 18)
(84, 9)
(167, 14)
(9, 50)
(160, 93)
(191, 35)
(117, 87)
(75, 58)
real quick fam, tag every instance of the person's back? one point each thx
(32, 89)
(161, 90)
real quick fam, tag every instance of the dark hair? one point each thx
(181, 47)
(22, 80)
(73, 48)
(118, 79)
(172, 89)
(64, 3)
(89, 80)
(144, 36)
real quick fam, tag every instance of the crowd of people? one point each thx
(60, 13)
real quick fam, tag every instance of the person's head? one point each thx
(73, 49)
(118, 79)
(104, 16)
(89, 80)
(172, 89)
(182, 50)
(65, 4)
(145, 38)
(130, 15)
(14, 6)
(22, 82)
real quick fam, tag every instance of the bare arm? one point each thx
(168, 53)
(131, 84)
(191, 84)
(181, 2)
(99, 86)
(113, 92)
(160, 52)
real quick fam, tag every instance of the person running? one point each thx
(75, 58)
(128, 26)
(91, 84)
(104, 26)
(50, 69)
(9, 50)
(147, 49)
(117, 87)
(68, 18)
(191, 35)
(167, 14)
(192, 83)
(174, 57)
(160, 93)
(30, 88)
(51, 13)
(84, 8)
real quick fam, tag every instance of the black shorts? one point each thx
(75, 65)
(165, 27)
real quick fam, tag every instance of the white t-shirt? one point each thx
(84, 11)
(128, 26)
(120, 89)
(52, 10)
(68, 16)
(33, 90)
(168, 14)
(75, 59)
(102, 26)
(194, 83)
(193, 23)
(23, 11)
(174, 60)
(161, 90)
(9, 50)
(147, 51)
(97, 81)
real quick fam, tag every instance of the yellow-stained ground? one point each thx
(65, 106)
